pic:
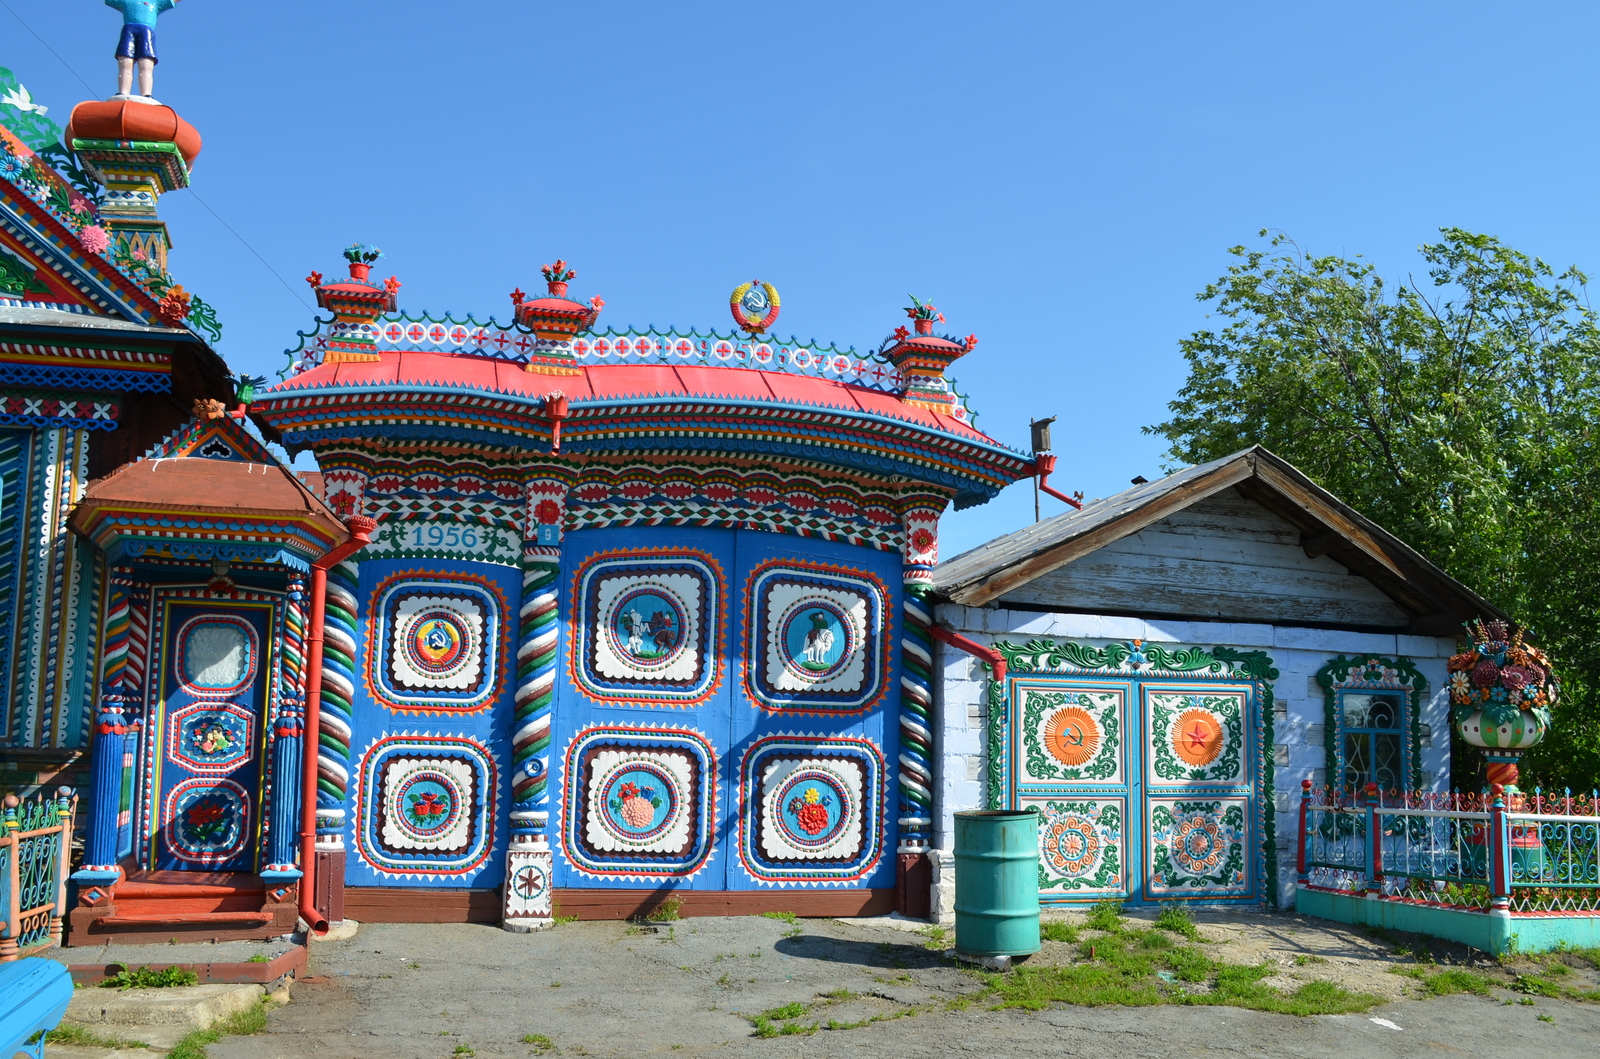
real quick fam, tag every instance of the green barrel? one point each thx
(997, 883)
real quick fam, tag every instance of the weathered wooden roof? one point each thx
(1435, 602)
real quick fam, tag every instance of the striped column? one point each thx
(133, 678)
(527, 904)
(914, 879)
(288, 731)
(338, 691)
(110, 730)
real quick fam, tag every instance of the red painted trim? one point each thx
(972, 647)
(361, 530)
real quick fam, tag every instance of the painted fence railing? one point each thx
(1536, 854)
(34, 850)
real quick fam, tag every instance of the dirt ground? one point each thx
(695, 987)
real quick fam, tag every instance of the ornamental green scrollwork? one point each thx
(1198, 844)
(1379, 673)
(1104, 763)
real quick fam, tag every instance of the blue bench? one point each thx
(34, 994)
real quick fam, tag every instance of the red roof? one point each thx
(608, 382)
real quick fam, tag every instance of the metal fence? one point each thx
(34, 849)
(1524, 853)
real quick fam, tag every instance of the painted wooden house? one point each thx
(99, 361)
(641, 617)
(1157, 673)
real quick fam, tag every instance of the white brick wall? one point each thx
(961, 699)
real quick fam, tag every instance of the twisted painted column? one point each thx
(527, 904)
(916, 708)
(288, 730)
(105, 769)
(914, 880)
(536, 687)
(338, 691)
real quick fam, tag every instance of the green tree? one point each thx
(1462, 413)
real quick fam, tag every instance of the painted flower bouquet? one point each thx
(361, 254)
(1501, 675)
(921, 310)
(637, 804)
(810, 810)
(558, 272)
(1501, 691)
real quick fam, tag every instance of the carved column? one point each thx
(527, 903)
(914, 879)
(288, 733)
(334, 734)
(110, 730)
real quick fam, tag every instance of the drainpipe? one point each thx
(361, 530)
(1043, 465)
(972, 647)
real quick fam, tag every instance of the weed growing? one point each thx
(83, 1037)
(145, 978)
(1058, 930)
(1177, 919)
(786, 917)
(240, 1024)
(666, 911)
(1447, 983)
(1144, 968)
(936, 936)
(1106, 915)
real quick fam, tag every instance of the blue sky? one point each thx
(1060, 178)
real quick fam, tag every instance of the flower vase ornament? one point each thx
(1501, 691)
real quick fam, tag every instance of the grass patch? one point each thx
(145, 978)
(1533, 985)
(541, 1044)
(1447, 983)
(666, 911)
(562, 920)
(782, 1022)
(1058, 930)
(783, 917)
(1177, 919)
(1106, 915)
(83, 1037)
(1145, 968)
(1305, 958)
(240, 1024)
(936, 936)
(259, 957)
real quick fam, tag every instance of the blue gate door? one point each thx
(642, 716)
(813, 754)
(720, 721)
(215, 658)
(432, 702)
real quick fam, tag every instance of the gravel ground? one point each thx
(690, 988)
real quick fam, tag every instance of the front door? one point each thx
(209, 736)
(1147, 789)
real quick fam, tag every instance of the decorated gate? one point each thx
(1146, 767)
(721, 716)
(431, 697)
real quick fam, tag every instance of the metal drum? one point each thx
(997, 883)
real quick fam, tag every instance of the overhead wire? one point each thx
(231, 230)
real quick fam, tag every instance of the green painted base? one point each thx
(1496, 933)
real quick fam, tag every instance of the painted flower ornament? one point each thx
(558, 272)
(362, 254)
(94, 239)
(921, 310)
(1501, 674)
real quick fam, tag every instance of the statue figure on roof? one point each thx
(137, 47)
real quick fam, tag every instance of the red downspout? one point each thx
(361, 529)
(972, 647)
(1043, 465)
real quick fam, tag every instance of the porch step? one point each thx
(165, 891)
(183, 919)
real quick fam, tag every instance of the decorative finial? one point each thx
(137, 47)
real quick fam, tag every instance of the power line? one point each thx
(292, 292)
